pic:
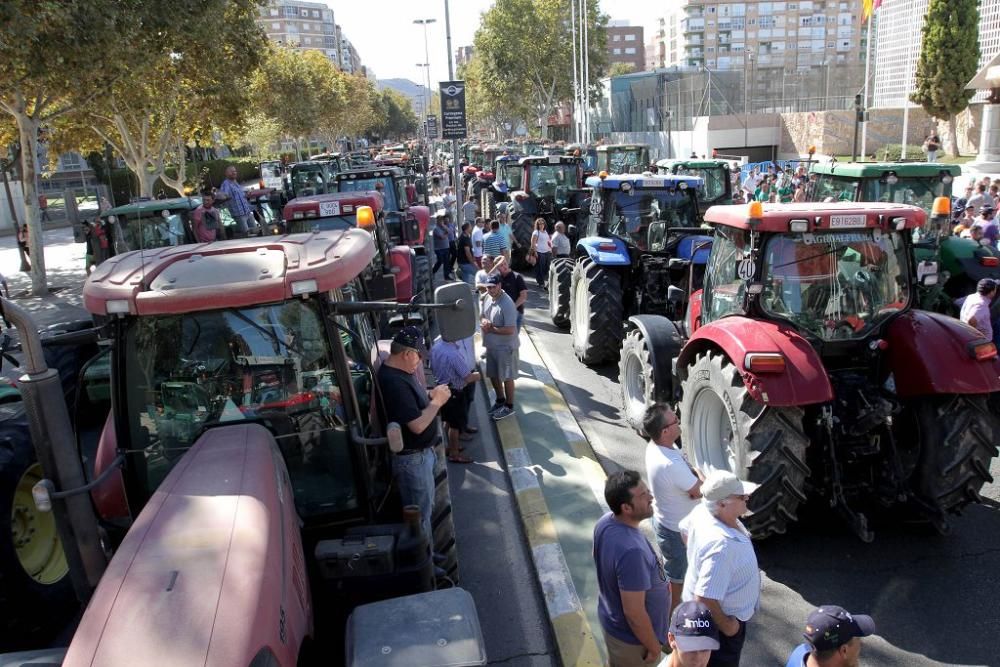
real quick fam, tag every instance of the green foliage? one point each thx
(619, 69)
(949, 57)
(525, 57)
(395, 116)
(894, 153)
(203, 174)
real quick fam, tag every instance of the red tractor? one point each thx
(803, 366)
(242, 479)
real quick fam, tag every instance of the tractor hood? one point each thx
(211, 571)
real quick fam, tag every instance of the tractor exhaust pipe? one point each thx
(55, 446)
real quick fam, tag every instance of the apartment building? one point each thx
(626, 44)
(463, 55)
(305, 25)
(897, 33)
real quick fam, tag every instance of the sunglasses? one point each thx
(673, 423)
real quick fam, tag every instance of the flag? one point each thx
(869, 7)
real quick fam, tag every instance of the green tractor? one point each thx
(716, 175)
(962, 262)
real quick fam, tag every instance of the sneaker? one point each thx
(496, 406)
(502, 413)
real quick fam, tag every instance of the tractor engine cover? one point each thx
(654, 281)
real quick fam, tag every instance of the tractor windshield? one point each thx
(308, 180)
(627, 160)
(838, 285)
(271, 364)
(916, 190)
(553, 180)
(157, 229)
(509, 172)
(334, 222)
(392, 193)
(715, 180)
(645, 217)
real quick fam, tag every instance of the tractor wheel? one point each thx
(522, 227)
(488, 204)
(35, 588)
(442, 521)
(596, 321)
(958, 437)
(424, 287)
(726, 429)
(560, 290)
(635, 379)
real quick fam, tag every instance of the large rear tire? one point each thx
(597, 312)
(36, 593)
(726, 429)
(560, 290)
(521, 227)
(635, 379)
(442, 521)
(958, 437)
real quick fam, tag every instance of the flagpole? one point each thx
(906, 97)
(868, 67)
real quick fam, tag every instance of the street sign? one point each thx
(453, 123)
(432, 127)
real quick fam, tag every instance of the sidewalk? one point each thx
(559, 486)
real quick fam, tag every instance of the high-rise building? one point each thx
(309, 25)
(626, 45)
(898, 27)
(791, 50)
(463, 55)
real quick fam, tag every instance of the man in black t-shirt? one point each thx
(513, 284)
(466, 258)
(408, 403)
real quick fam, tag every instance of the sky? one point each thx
(390, 43)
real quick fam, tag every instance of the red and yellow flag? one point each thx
(869, 7)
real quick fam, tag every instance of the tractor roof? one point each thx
(642, 181)
(509, 158)
(237, 273)
(551, 159)
(692, 164)
(154, 206)
(369, 172)
(877, 169)
(335, 203)
(623, 147)
(839, 216)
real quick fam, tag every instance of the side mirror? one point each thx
(675, 295)
(571, 231)
(927, 273)
(459, 321)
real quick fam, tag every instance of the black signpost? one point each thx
(432, 127)
(453, 110)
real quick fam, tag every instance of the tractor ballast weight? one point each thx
(805, 368)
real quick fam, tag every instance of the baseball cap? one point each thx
(410, 337)
(988, 207)
(693, 627)
(831, 627)
(490, 279)
(720, 484)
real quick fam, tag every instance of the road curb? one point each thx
(575, 638)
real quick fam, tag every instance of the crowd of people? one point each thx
(695, 595)
(773, 185)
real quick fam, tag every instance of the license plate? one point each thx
(653, 182)
(329, 208)
(842, 221)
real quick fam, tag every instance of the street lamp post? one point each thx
(427, 106)
(451, 77)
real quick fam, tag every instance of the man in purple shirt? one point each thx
(450, 366)
(235, 199)
(976, 308)
(988, 223)
(634, 601)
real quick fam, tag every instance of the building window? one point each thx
(630, 51)
(291, 11)
(70, 161)
(629, 38)
(330, 41)
(307, 40)
(306, 26)
(315, 13)
(616, 38)
(274, 11)
(305, 12)
(617, 52)
(275, 25)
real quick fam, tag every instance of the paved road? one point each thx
(933, 598)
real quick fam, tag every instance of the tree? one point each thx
(485, 107)
(949, 59)
(396, 114)
(620, 69)
(525, 50)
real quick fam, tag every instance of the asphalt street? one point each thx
(933, 597)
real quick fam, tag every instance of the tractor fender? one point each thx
(696, 248)
(664, 342)
(804, 380)
(604, 251)
(422, 215)
(109, 495)
(216, 554)
(929, 354)
(401, 266)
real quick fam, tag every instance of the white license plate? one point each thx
(653, 182)
(842, 221)
(329, 208)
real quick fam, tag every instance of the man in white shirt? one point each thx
(676, 488)
(722, 566)
(477, 241)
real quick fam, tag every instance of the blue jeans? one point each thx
(415, 477)
(443, 259)
(674, 552)
(469, 273)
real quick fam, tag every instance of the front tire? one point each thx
(597, 312)
(442, 520)
(635, 379)
(726, 429)
(560, 290)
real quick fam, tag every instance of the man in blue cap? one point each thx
(407, 402)
(834, 638)
(693, 635)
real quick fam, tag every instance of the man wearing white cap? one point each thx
(722, 568)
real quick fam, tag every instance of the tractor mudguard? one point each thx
(400, 257)
(604, 251)
(664, 343)
(929, 354)
(804, 380)
(422, 215)
(696, 248)
(213, 568)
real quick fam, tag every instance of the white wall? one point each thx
(15, 191)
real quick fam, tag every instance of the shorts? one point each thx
(500, 363)
(623, 654)
(674, 552)
(455, 412)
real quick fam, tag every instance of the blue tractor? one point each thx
(640, 249)
(505, 177)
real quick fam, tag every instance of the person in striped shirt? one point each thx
(722, 568)
(231, 194)
(494, 243)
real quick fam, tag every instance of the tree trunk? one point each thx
(953, 131)
(27, 128)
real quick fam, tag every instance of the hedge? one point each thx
(893, 153)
